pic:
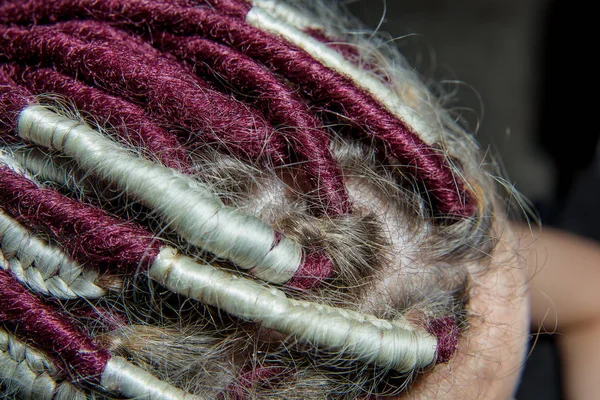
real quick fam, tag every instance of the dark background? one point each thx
(528, 71)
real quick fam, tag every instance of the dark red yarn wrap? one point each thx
(129, 120)
(447, 333)
(249, 377)
(50, 331)
(162, 87)
(315, 268)
(283, 108)
(88, 234)
(324, 86)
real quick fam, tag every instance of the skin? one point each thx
(491, 353)
(558, 274)
(565, 299)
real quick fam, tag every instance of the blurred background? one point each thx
(528, 93)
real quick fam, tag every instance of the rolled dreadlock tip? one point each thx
(123, 377)
(447, 333)
(315, 268)
(273, 267)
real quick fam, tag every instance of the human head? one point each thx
(329, 171)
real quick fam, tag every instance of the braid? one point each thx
(29, 374)
(55, 334)
(44, 269)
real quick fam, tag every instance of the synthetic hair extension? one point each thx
(194, 281)
(196, 214)
(127, 119)
(205, 112)
(282, 108)
(364, 336)
(56, 335)
(41, 267)
(226, 199)
(279, 104)
(26, 373)
(317, 81)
